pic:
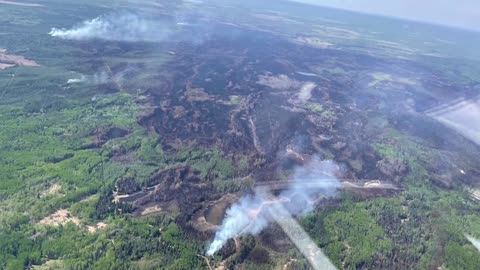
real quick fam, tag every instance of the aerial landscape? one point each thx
(221, 134)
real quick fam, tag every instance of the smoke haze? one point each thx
(101, 77)
(123, 27)
(251, 215)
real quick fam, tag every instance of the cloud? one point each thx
(251, 214)
(117, 27)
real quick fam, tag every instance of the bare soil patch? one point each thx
(280, 82)
(50, 265)
(10, 60)
(151, 210)
(53, 189)
(197, 94)
(98, 226)
(61, 217)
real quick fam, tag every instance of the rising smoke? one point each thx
(252, 213)
(101, 77)
(117, 27)
(239, 221)
(106, 75)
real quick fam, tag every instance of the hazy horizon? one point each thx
(463, 14)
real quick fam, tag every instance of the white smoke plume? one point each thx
(239, 220)
(252, 213)
(100, 77)
(105, 76)
(77, 80)
(116, 27)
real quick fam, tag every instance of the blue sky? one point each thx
(456, 13)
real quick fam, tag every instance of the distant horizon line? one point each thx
(393, 17)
